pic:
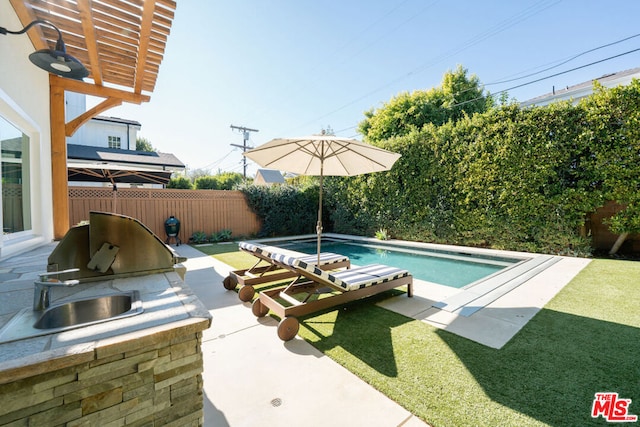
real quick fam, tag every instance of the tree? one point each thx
(194, 174)
(180, 182)
(207, 183)
(229, 180)
(143, 144)
(458, 95)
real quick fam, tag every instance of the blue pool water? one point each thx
(445, 268)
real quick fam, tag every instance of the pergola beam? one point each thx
(88, 28)
(145, 35)
(72, 126)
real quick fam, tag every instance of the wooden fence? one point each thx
(209, 211)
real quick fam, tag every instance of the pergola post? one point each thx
(59, 183)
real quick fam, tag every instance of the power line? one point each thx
(217, 162)
(565, 61)
(318, 66)
(552, 75)
(492, 31)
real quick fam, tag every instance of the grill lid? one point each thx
(111, 245)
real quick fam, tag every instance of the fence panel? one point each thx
(198, 210)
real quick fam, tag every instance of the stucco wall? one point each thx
(24, 101)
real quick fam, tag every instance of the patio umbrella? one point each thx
(322, 155)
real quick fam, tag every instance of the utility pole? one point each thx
(244, 146)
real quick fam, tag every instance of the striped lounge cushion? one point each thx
(325, 258)
(355, 278)
(254, 249)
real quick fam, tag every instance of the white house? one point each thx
(576, 92)
(25, 138)
(100, 131)
(102, 152)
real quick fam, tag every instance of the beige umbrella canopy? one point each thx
(322, 155)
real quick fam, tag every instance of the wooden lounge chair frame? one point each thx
(272, 272)
(282, 303)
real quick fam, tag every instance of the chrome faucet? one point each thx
(42, 291)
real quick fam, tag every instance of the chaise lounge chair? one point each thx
(348, 285)
(273, 271)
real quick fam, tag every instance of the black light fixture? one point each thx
(56, 61)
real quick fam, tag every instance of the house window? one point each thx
(16, 191)
(114, 142)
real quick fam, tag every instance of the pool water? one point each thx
(450, 269)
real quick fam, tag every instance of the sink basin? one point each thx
(88, 311)
(71, 315)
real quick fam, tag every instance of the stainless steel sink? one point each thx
(71, 315)
(89, 311)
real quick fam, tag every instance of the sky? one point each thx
(289, 68)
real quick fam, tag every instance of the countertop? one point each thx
(167, 300)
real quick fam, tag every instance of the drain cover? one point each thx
(276, 402)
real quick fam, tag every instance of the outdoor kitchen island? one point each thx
(139, 370)
(100, 329)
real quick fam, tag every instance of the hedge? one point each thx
(509, 178)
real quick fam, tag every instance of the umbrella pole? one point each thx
(319, 224)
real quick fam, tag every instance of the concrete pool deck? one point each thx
(496, 323)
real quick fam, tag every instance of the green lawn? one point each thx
(586, 340)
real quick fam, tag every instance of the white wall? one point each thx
(24, 101)
(95, 133)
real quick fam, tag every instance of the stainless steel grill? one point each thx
(112, 246)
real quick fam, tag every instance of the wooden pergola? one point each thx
(121, 43)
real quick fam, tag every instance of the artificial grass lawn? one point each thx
(586, 340)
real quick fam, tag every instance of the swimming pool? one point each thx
(454, 269)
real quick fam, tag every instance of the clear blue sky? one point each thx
(291, 68)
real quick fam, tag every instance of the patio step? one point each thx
(483, 293)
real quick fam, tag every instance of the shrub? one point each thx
(220, 236)
(199, 237)
(180, 182)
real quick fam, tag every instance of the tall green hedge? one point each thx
(284, 209)
(509, 178)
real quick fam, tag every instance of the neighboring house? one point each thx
(268, 177)
(576, 92)
(103, 153)
(100, 131)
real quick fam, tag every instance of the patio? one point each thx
(252, 377)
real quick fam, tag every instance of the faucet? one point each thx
(42, 291)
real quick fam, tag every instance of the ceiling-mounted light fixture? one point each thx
(54, 61)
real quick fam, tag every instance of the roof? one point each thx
(142, 158)
(117, 120)
(120, 42)
(584, 89)
(269, 176)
